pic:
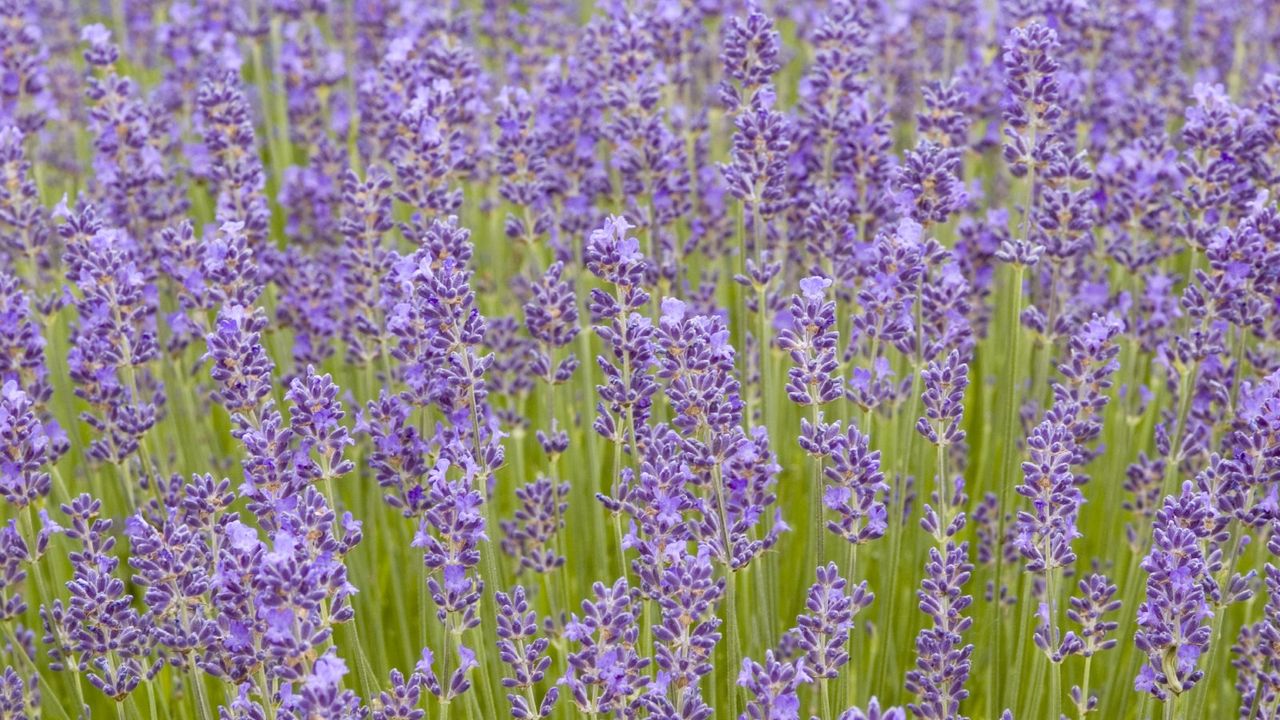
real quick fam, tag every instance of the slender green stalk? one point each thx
(1185, 383)
(1082, 707)
(730, 584)
(266, 694)
(1005, 480)
(817, 542)
(1055, 667)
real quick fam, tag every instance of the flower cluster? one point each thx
(401, 360)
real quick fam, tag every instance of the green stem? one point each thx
(1083, 706)
(1005, 479)
(1055, 667)
(818, 541)
(265, 693)
(735, 644)
(1184, 408)
(826, 699)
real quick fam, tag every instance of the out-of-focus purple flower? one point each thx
(236, 167)
(551, 316)
(310, 302)
(19, 697)
(525, 175)
(428, 148)
(944, 120)
(27, 448)
(115, 339)
(530, 536)
(23, 98)
(1092, 360)
(14, 556)
(24, 222)
(365, 224)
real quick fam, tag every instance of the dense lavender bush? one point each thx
(657, 360)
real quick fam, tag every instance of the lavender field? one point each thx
(640, 359)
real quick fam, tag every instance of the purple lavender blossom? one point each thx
(552, 319)
(530, 537)
(943, 663)
(855, 486)
(774, 687)
(823, 628)
(811, 341)
(1045, 533)
(605, 674)
(1171, 630)
(525, 653)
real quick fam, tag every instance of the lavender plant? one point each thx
(642, 360)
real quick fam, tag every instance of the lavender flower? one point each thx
(316, 419)
(23, 102)
(1045, 533)
(605, 673)
(774, 687)
(927, 184)
(24, 223)
(626, 395)
(449, 535)
(531, 536)
(364, 225)
(107, 635)
(750, 58)
(521, 649)
(322, 694)
(1171, 631)
(943, 662)
(855, 485)
(236, 171)
(874, 712)
(115, 338)
(240, 365)
(27, 447)
(811, 341)
(689, 630)
(824, 628)
(552, 319)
